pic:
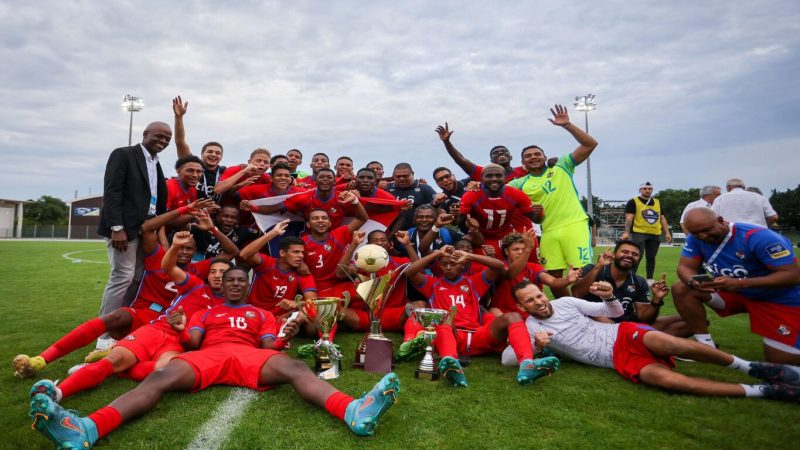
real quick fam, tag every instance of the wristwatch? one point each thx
(116, 228)
(656, 305)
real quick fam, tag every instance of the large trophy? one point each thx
(428, 318)
(375, 352)
(323, 313)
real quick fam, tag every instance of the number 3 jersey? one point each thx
(234, 324)
(464, 293)
(750, 252)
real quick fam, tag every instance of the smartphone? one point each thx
(702, 278)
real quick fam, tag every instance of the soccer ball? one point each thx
(371, 258)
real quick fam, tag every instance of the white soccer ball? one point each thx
(371, 258)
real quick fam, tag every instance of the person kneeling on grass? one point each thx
(639, 352)
(476, 332)
(237, 346)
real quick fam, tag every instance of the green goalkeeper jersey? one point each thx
(555, 191)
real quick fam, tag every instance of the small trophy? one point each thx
(429, 318)
(324, 312)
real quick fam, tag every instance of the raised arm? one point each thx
(169, 263)
(444, 133)
(494, 265)
(515, 268)
(405, 240)
(179, 107)
(237, 180)
(413, 272)
(581, 288)
(343, 268)
(229, 249)
(249, 254)
(360, 215)
(586, 143)
(648, 312)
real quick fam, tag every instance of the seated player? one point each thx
(236, 345)
(239, 176)
(636, 351)
(153, 345)
(475, 333)
(517, 248)
(276, 281)
(632, 291)
(155, 294)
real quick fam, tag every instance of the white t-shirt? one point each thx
(695, 204)
(575, 334)
(739, 205)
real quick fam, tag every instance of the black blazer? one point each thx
(126, 192)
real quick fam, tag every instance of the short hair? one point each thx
(321, 154)
(403, 165)
(280, 166)
(188, 159)
(495, 148)
(520, 286)
(375, 162)
(326, 169)
(210, 144)
(343, 157)
(439, 169)
(289, 241)
(277, 157)
(511, 239)
(366, 169)
(296, 150)
(218, 260)
(622, 242)
(735, 182)
(236, 267)
(318, 209)
(425, 206)
(530, 147)
(708, 190)
(493, 166)
(260, 151)
(373, 233)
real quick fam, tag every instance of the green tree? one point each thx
(673, 201)
(787, 205)
(45, 211)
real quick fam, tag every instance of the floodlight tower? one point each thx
(586, 103)
(131, 104)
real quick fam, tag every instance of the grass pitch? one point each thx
(43, 295)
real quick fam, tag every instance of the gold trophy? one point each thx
(323, 313)
(429, 318)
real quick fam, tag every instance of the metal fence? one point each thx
(52, 231)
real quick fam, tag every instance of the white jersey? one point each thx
(739, 205)
(695, 204)
(575, 334)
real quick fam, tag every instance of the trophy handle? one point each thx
(401, 269)
(346, 298)
(346, 270)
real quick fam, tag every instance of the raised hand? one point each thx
(348, 197)
(602, 289)
(444, 132)
(447, 250)
(489, 250)
(244, 205)
(660, 288)
(280, 228)
(459, 256)
(403, 238)
(358, 237)
(438, 199)
(179, 107)
(605, 258)
(573, 274)
(181, 238)
(473, 186)
(443, 220)
(204, 220)
(202, 203)
(560, 116)
(472, 224)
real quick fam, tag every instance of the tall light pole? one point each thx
(131, 104)
(586, 103)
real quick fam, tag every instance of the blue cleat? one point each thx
(531, 370)
(450, 368)
(65, 428)
(775, 373)
(48, 388)
(783, 392)
(362, 415)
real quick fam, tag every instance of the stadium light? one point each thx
(586, 103)
(131, 104)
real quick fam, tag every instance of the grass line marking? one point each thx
(214, 432)
(79, 260)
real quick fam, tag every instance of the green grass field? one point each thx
(43, 295)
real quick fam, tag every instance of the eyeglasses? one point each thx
(443, 177)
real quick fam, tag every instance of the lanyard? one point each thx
(716, 253)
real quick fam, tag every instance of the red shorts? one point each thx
(770, 320)
(233, 364)
(630, 353)
(140, 317)
(149, 342)
(479, 342)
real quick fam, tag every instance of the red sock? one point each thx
(392, 319)
(520, 340)
(336, 404)
(86, 377)
(445, 341)
(410, 329)
(140, 370)
(80, 336)
(107, 419)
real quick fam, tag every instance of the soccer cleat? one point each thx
(531, 370)
(105, 343)
(65, 428)
(451, 369)
(775, 373)
(48, 388)
(362, 415)
(785, 392)
(411, 348)
(96, 355)
(26, 366)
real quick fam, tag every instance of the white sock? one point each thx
(740, 364)
(705, 339)
(753, 390)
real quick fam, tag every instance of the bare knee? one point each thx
(661, 377)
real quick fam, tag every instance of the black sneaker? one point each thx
(775, 373)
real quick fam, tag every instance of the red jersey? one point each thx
(178, 194)
(303, 203)
(378, 193)
(516, 172)
(322, 257)
(157, 290)
(233, 170)
(228, 324)
(502, 298)
(306, 183)
(254, 192)
(193, 296)
(271, 285)
(464, 293)
(498, 216)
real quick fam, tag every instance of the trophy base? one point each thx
(426, 375)
(379, 355)
(327, 369)
(360, 359)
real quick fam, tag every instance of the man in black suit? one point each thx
(134, 190)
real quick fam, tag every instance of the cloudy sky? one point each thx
(689, 93)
